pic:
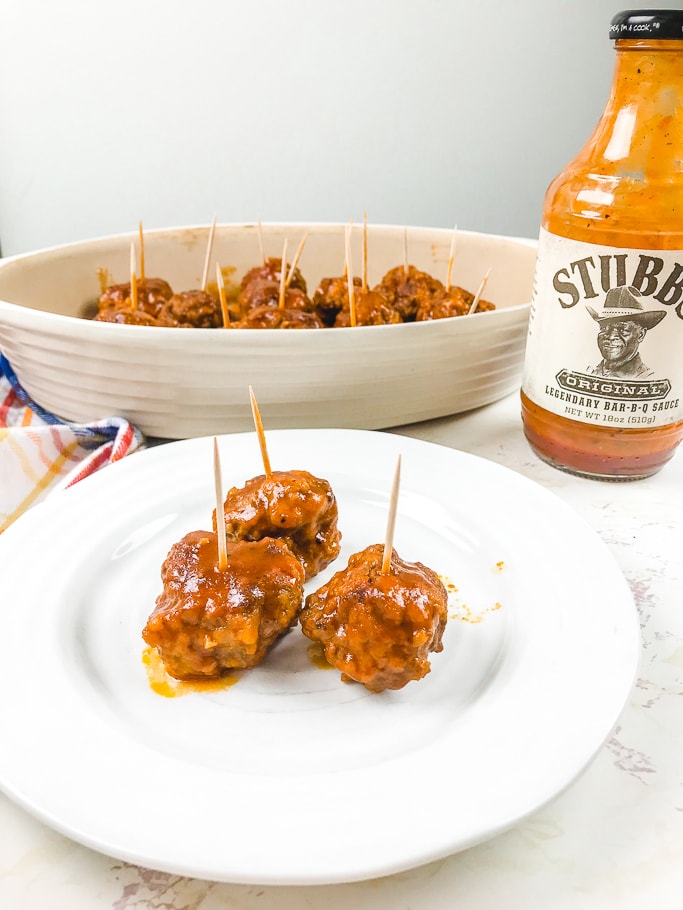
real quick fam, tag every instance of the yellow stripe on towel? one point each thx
(53, 471)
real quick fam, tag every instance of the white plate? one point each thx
(291, 776)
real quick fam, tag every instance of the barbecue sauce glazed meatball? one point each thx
(194, 309)
(447, 302)
(271, 270)
(260, 286)
(268, 316)
(124, 315)
(332, 296)
(153, 293)
(265, 293)
(293, 506)
(406, 290)
(378, 629)
(371, 309)
(206, 621)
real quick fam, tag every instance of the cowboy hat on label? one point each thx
(624, 303)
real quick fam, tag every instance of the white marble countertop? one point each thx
(613, 840)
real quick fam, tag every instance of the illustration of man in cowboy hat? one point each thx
(623, 323)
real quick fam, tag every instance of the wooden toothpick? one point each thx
(405, 251)
(391, 520)
(259, 231)
(283, 277)
(259, 432)
(365, 251)
(207, 258)
(142, 252)
(220, 284)
(290, 273)
(133, 279)
(480, 291)
(220, 513)
(349, 274)
(451, 257)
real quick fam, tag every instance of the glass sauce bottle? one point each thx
(602, 394)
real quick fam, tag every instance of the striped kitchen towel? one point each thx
(39, 453)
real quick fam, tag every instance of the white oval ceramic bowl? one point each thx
(177, 383)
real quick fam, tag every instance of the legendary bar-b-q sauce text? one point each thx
(602, 394)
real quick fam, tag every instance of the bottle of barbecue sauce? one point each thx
(602, 394)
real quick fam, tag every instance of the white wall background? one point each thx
(429, 112)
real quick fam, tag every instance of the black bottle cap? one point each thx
(660, 24)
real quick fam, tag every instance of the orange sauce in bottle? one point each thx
(613, 218)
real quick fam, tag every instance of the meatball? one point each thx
(271, 270)
(378, 629)
(263, 292)
(124, 315)
(195, 308)
(295, 507)
(152, 295)
(332, 296)
(208, 621)
(371, 309)
(447, 302)
(405, 289)
(274, 317)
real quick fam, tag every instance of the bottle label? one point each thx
(605, 343)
